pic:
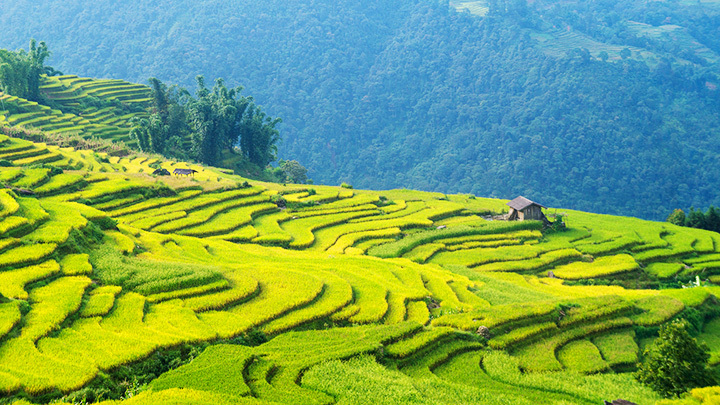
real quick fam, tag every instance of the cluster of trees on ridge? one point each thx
(708, 220)
(414, 94)
(20, 71)
(216, 120)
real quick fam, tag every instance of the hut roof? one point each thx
(520, 203)
(184, 171)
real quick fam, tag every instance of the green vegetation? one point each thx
(618, 348)
(53, 303)
(20, 73)
(210, 372)
(215, 121)
(149, 277)
(709, 220)
(121, 286)
(124, 276)
(601, 267)
(675, 363)
(100, 301)
(581, 356)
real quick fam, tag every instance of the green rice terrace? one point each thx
(73, 96)
(357, 296)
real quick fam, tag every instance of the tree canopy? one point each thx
(709, 220)
(216, 121)
(675, 362)
(20, 71)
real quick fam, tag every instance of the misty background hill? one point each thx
(610, 106)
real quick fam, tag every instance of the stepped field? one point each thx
(390, 296)
(92, 108)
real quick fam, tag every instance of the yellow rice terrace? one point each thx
(119, 286)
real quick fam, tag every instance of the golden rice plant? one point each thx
(9, 316)
(8, 205)
(656, 310)
(26, 254)
(13, 225)
(418, 341)
(32, 177)
(61, 182)
(76, 264)
(551, 258)
(521, 335)
(101, 301)
(540, 356)
(336, 294)
(52, 304)
(600, 267)
(350, 239)
(12, 282)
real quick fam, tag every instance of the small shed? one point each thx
(184, 172)
(522, 209)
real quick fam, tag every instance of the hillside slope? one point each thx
(80, 106)
(403, 295)
(540, 99)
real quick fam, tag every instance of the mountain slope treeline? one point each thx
(573, 105)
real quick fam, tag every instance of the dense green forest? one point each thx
(609, 106)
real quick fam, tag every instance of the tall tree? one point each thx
(167, 125)
(222, 118)
(36, 57)
(675, 362)
(14, 71)
(159, 96)
(259, 136)
(211, 115)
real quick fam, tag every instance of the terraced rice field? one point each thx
(122, 101)
(479, 8)
(559, 43)
(394, 296)
(675, 34)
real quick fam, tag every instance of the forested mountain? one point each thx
(609, 106)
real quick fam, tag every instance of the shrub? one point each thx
(675, 362)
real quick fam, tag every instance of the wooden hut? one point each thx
(522, 209)
(184, 172)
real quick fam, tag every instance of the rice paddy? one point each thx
(401, 295)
